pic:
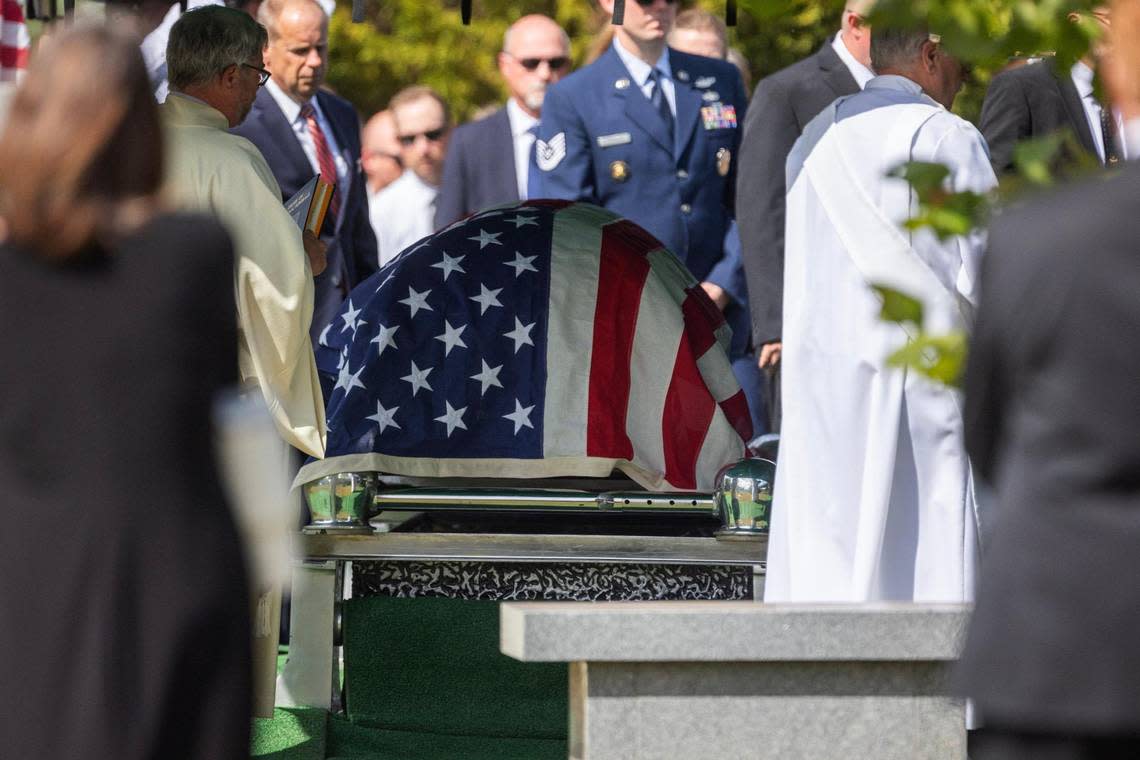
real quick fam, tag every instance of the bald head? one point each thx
(536, 54)
(380, 151)
(297, 55)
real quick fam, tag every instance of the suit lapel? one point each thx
(504, 174)
(343, 146)
(688, 108)
(835, 73)
(273, 121)
(1074, 108)
(642, 115)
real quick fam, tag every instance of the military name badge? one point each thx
(550, 154)
(718, 116)
(619, 171)
(723, 161)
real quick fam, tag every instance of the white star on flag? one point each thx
(416, 300)
(523, 221)
(384, 339)
(487, 377)
(521, 263)
(453, 419)
(351, 318)
(520, 416)
(485, 238)
(450, 337)
(348, 381)
(487, 298)
(324, 339)
(418, 378)
(449, 264)
(385, 418)
(520, 335)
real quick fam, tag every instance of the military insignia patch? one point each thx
(621, 84)
(619, 171)
(710, 95)
(704, 82)
(718, 116)
(550, 154)
(683, 75)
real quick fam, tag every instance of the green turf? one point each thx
(291, 734)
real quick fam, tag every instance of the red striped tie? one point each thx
(324, 156)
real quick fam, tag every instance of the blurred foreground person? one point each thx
(874, 498)
(127, 628)
(1051, 406)
(699, 32)
(214, 61)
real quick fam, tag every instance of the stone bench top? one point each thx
(730, 631)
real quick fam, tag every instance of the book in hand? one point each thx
(309, 204)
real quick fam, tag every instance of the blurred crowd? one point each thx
(202, 121)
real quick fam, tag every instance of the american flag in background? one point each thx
(14, 41)
(535, 340)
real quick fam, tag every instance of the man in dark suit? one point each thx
(781, 106)
(487, 160)
(1051, 417)
(1036, 99)
(303, 131)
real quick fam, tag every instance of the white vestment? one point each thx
(212, 171)
(874, 498)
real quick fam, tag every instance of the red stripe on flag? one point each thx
(700, 327)
(685, 420)
(11, 11)
(13, 57)
(621, 278)
(735, 408)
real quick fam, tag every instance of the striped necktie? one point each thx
(324, 156)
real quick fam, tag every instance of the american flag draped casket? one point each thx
(540, 339)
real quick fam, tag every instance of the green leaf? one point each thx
(898, 307)
(940, 357)
(923, 176)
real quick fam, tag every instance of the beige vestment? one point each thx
(209, 169)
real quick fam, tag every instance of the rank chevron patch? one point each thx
(550, 154)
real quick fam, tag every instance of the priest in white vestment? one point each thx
(209, 169)
(874, 498)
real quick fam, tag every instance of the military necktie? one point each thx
(660, 102)
(1108, 134)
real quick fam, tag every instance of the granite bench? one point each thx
(691, 680)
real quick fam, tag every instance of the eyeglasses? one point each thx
(262, 73)
(531, 64)
(647, 3)
(432, 135)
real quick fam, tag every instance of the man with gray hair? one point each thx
(214, 62)
(874, 497)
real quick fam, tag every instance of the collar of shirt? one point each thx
(520, 120)
(288, 106)
(861, 73)
(894, 82)
(639, 70)
(1083, 79)
(292, 111)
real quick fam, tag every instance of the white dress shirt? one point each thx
(1083, 80)
(639, 70)
(861, 73)
(292, 111)
(523, 139)
(402, 213)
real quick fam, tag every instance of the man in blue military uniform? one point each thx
(652, 134)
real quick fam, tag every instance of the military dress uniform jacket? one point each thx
(603, 142)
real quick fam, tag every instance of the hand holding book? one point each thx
(309, 204)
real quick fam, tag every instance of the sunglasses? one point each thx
(647, 3)
(532, 64)
(260, 72)
(432, 135)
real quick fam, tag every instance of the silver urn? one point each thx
(743, 499)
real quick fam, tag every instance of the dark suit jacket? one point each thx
(1052, 413)
(1031, 101)
(352, 253)
(479, 170)
(105, 423)
(781, 107)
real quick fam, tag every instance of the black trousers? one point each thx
(995, 743)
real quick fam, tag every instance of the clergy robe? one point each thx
(209, 169)
(874, 498)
